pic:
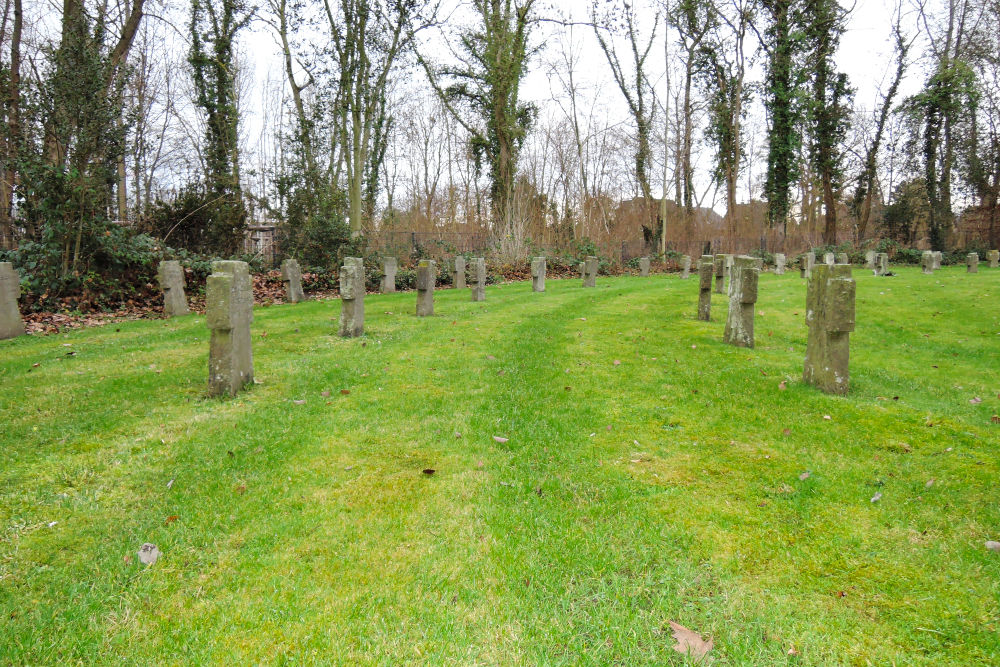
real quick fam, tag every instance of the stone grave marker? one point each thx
(11, 324)
(590, 272)
(881, 264)
(706, 270)
(719, 265)
(458, 272)
(994, 258)
(644, 266)
(426, 277)
(538, 267)
(742, 297)
(291, 275)
(779, 264)
(927, 262)
(843, 258)
(972, 263)
(389, 266)
(478, 279)
(829, 259)
(228, 314)
(938, 256)
(870, 259)
(685, 267)
(807, 262)
(830, 318)
(170, 275)
(352, 298)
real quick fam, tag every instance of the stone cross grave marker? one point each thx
(228, 314)
(806, 264)
(719, 265)
(291, 275)
(538, 267)
(478, 279)
(11, 324)
(590, 272)
(706, 270)
(927, 262)
(881, 264)
(170, 275)
(389, 266)
(458, 272)
(352, 298)
(830, 318)
(426, 276)
(742, 297)
(870, 259)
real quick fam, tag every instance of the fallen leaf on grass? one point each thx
(929, 483)
(995, 419)
(976, 400)
(782, 386)
(490, 357)
(804, 476)
(690, 642)
(500, 439)
(325, 394)
(877, 497)
(617, 363)
(170, 519)
(345, 392)
(170, 484)
(993, 546)
(429, 471)
(299, 402)
(827, 417)
(240, 489)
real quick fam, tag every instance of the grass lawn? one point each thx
(651, 474)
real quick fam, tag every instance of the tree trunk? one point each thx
(13, 138)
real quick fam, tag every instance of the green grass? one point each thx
(666, 487)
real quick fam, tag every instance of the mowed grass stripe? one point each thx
(320, 540)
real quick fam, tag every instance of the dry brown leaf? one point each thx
(690, 642)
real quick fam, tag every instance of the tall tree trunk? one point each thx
(13, 139)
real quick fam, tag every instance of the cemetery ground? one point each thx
(602, 465)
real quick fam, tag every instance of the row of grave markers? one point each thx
(830, 299)
(229, 303)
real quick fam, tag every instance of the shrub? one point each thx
(199, 221)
